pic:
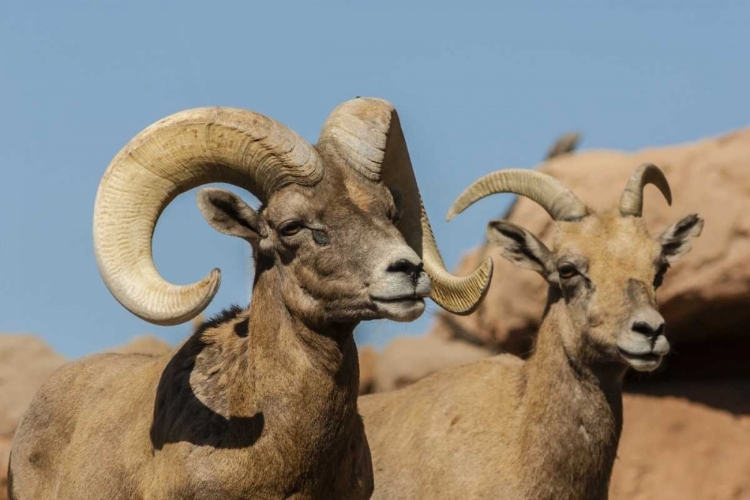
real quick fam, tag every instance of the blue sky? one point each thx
(479, 86)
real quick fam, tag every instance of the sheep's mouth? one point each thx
(644, 362)
(407, 298)
(402, 309)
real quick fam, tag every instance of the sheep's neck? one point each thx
(571, 414)
(319, 361)
(263, 376)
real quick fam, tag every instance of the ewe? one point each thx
(546, 428)
(260, 402)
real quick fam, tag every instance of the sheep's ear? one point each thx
(228, 214)
(675, 240)
(521, 247)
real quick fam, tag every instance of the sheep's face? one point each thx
(607, 269)
(333, 248)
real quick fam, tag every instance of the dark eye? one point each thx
(567, 271)
(398, 205)
(395, 216)
(291, 228)
(659, 278)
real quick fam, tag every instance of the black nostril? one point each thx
(401, 266)
(407, 267)
(648, 330)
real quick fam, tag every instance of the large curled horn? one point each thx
(556, 199)
(631, 201)
(366, 135)
(174, 155)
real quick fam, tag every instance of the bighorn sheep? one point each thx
(259, 402)
(546, 428)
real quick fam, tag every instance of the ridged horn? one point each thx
(551, 194)
(366, 135)
(178, 153)
(631, 201)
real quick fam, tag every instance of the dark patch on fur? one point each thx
(241, 329)
(219, 319)
(179, 416)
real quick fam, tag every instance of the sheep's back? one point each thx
(429, 440)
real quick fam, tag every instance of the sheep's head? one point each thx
(605, 267)
(342, 225)
(334, 248)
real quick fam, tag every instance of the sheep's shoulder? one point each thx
(68, 429)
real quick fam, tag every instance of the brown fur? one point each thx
(546, 428)
(260, 403)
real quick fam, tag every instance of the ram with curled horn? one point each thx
(259, 402)
(548, 427)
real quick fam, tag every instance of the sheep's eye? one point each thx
(567, 271)
(659, 278)
(395, 216)
(398, 205)
(291, 228)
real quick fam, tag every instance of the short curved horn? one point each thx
(556, 199)
(366, 135)
(174, 155)
(631, 201)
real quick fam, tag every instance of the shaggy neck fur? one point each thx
(572, 411)
(219, 381)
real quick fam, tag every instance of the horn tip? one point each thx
(454, 210)
(464, 307)
(486, 272)
(209, 285)
(213, 281)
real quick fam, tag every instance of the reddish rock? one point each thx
(672, 448)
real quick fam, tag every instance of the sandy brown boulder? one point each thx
(675, 448)
(408, 359)
(704, 296)
(25, 362)
(368, 360)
